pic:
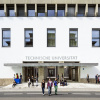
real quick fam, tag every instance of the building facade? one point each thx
(49, 37)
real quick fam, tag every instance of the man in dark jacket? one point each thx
(96, 77)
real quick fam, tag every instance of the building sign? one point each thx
(51, 58)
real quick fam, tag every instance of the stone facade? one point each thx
(41, 73)
(6, 81)
(60, 71)
(91, 80)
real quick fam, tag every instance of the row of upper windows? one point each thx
(51, 37)
(41, 10)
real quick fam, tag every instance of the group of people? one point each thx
(49, 86)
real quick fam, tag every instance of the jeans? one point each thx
(56, 89)
(43, 90)
(49, 90)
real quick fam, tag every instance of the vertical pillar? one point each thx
(86, 9)
(55, 9)
(78, 73)
(41, 73)
(55, 71)
(5, 9)
(66, 9)
(23, 74)
(96, 10)
(25, 9)
(15, 8)
(76, 9)
(60, 71)
(45, 9)
(35, 9)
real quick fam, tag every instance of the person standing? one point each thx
(96, 77)
(14, 77)
(21, 77)
(88, 78)
(49, 86)
(36, 81)
(43, 86)
(32, 80)
(55, 86)
(29, 81)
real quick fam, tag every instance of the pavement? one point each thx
(70, 87)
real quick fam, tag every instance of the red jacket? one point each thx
(48, 84)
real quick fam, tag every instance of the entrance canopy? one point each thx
(49, 64)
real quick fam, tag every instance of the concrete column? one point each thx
(66, 9)
(5, 9)
(15, 8)
(23, 74)
(60, 71)
(96, 10)
(86, 9)
(41, 73)
(76, 9)
(45, 9)
(78, 73)
(25, 9)
(55, 9)
(35, 9)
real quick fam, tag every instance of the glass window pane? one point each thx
(11, 13)
(61, 12)
(28, 42)
(6, 33)
(6, 42)
(73, 34)
(28, 33)
(2, 13)
(91, 11)
(31, 12)
(95, 33)
(41, 14)
(95, 43)
(73, 42)
(71, 11)
(51, 43)
(51, 30)
(81, 11)
(51, 12)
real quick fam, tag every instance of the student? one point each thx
(49, 86)
(32, 80)
(55, 86)
(43, 86)
(21, 77)
(29, 82)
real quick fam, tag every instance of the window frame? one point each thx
(2, 5)
(70, 29)
(47, 36)
(26, 37)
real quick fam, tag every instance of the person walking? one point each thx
(36, 81)
(55, 86)
(49, 86)
(29, 81)
(21, 77)
(88, 78)
(43, 86)
(32, 80)
(96, 77)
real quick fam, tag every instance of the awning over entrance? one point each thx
(49, 64)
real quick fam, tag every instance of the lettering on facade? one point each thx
(51, 58)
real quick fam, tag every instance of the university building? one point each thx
(49, 37)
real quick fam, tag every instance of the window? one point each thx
(73, 40)
(99, 10)
(95, 37)
(51, 37)
(28, 37)
(71, 10)
(6, 38)
(61, 10)
(2, 13)
(81, 10)
(20, 10)
(91, 10)
(31, 10)
(10, 10)
(51, 10)
(41, 10)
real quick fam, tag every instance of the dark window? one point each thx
(99, 10)
(96, 38)
(51, 37)
(61, 10)
(91, 10)
(28, 37)
(20, 10)
(6, 38)
(71, 10)
(81, 10)
(51, 10)
(41, 10)
(51, 72)
(73, 39)
(2, 13)
(31, 10)
(10, 10)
